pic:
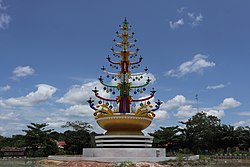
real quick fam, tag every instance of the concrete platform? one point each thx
(118, 159)
(117, 155)
(124, 152)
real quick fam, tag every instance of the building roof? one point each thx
(12, 149)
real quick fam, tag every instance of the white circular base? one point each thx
(124, 141)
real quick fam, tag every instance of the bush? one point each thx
(124, 164)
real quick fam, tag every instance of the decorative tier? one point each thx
(121, 141)
(120, 124)
(120, 113)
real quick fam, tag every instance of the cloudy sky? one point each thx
(51, 53)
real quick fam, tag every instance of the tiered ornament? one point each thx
(123, 108)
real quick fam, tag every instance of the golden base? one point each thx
(124, 124)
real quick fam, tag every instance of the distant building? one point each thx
(61, 144)
(13, 151)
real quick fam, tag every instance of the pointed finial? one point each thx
(125, 23)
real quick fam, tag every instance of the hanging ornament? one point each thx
(107, 76)
(138, 90)
(135, 92)
(104, 88)
(113, 93)
(107, 104)
(141, 104)
(107, 91)
(148, 102)
(144, 89)
(115, 79)
(141, 77)
(100, 102)
(110, 107)
(133, 79)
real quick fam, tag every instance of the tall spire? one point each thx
(124, 77)
(124, 111)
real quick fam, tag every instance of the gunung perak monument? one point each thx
(122, 115)
(126, 111)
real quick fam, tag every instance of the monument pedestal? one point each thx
(124, 154)
(121, 141)
(117, 148)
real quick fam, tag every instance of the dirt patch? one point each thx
(95, 164)
(75, 163)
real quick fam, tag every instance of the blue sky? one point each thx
(51, 53)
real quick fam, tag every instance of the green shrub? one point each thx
(124, 164)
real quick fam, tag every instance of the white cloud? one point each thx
(161, 114)
(42, 94)
(229, 103)
(9, 116)
(5, 88)
(174, 103)
(2, 104)
(195, 19)
(176, 24)
(56, 121)
(191, 18)
(4, 21)
(22, 71)
(1, 130)
(242, 123)
(74, 113)
(2, 7)
(244, 113)
(196, 65)
(4, 18)
(214, 112)
(216, 86)
(177, 102)
(80, 94)
(181, 10)
(187, 111)
(78, 110)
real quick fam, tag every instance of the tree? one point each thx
(78, 138)
(78, 125)
(166, 136)
(2, 141)
(38, 139)
(202, 132)
(228, 137)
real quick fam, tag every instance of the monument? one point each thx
(122, 115)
